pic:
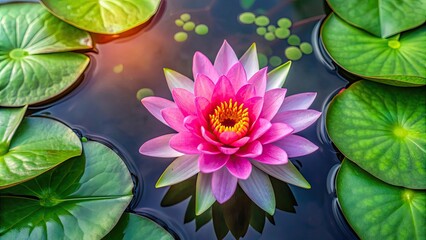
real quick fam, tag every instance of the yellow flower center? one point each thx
(230, 116)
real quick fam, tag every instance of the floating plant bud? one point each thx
(306, 48)
(247, 17)
(262, 21)
(261, 31)
(282, 33)
(179, 22)
(181, 36)
(189, 26)
(275, 61)
(284, 22)
(269, 36)
(201, 29)
(185, 17)
(293, 40)
(293, 53)
(234, 126)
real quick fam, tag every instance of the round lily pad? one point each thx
(247, 17)
(381, 18)
(377, 210)
(33, 146)
(132, 226)
(34, 62)
(180, 36)
(82, 198)
(105, 17)
(382, 128)
(398, 60)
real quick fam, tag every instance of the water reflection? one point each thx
(236, 215)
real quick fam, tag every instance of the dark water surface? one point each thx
(105, 106)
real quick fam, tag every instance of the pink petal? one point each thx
(225, 59)
(209, 137)
(297, 119)
(275, 133)
(259, 128)
(245, 92)
(300, 101)
(202, 65)
(240, 142)
(272, 155)
(223, 90)
(155, 104)
(208, 148)
(250, 150)
(223, 185)
(239, 167)
(177, 80)
(259, 81)
(159, 147)
(185, 142)
(185, 100)
(228, 137)
(272, 102)
(228, 150)
(174, 118)
(296, 146)
(203, 86)
(250, 61)
(237, 76)
(192, 124)
(203, 109)
(212, 162)
(254, 106)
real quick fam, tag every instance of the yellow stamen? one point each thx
(230, 116)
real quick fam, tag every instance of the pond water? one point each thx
(104, 106)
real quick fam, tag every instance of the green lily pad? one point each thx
(33, 146)
(382, 128)
(105, 17)
(34, 63)
(82, 198)
(132, 226)
(381, 18)
(376, 210)
(398, 60)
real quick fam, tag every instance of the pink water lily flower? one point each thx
(234, 126)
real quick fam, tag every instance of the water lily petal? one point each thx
(240, 167)
(203, 86)
(228, 150)
(250, 61)
(177, 80)
(259, 81)
(254, 106)
(225, 59)
(192, 124)
(277, 77)
(299, 101)
(208, 148)
(174, 118)
(276, 132)
(223, 185)
(245, 92)
(237, 76)
(179, 170)
(228, 137)
(185, 142)
(285, 172)
(209, 137)
(240, 142)
(272, 155)
(159, 147)
(297, 119)
(185, 100)
(155, 104)
(259, 128)
(223, 90)
(204, 197)
(202, 106)
(202, 65)
(296, 146)
(212, 162)
(250, 150)
(259, 189)
(272, 102)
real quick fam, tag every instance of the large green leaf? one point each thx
(376, 210)
(37, 145)
(82, 198)
(381, 18)
(33, 65)
(107, 16)
(382, 129)
(399, 60)
(132, 226)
